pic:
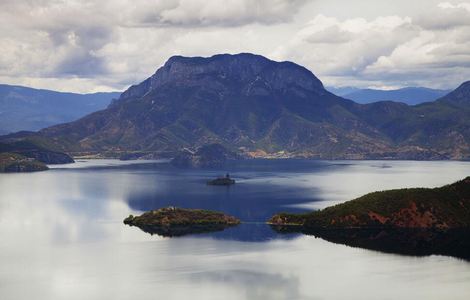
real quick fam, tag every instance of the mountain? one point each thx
(409, 95)
(23, 108)
(442, 126)
(258, 107)
(244, 102)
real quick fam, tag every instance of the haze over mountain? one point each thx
(342, 90)
(24, 108)
(260, 107)
(409, 95)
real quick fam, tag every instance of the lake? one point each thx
(62, 235)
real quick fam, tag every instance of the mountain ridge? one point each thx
(26, 108)
(408, 95)
(251, 104)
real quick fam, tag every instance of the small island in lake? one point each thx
(222, 181)
(173, 221)
(14, 163)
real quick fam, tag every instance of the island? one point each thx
(416, 221)
(173, 221)
(222, 181)
(14, 163)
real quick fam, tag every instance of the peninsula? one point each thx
(415, 222)
(442, 208)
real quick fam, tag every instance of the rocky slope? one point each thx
(260, 107)
(447, 207)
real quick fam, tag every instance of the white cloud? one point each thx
(214, 12)
(448, 5)
(120, 40)
(440, 53)
(88, 45)
(346, 48)
(446, 16)
(432, 49)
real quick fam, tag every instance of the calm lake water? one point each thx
(62, 235)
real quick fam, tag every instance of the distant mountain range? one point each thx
(409, 95)
(261, 108)
(23, 108)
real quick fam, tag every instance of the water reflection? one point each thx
(268, 286)
(414, 242)
(182, 230)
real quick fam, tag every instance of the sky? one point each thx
(107, 45)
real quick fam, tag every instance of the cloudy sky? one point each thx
(102, 45)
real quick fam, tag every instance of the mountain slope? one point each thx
(459, 97)
(409, 95)
(251, 104)
(23, 108)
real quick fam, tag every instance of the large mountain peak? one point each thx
(239, 69)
